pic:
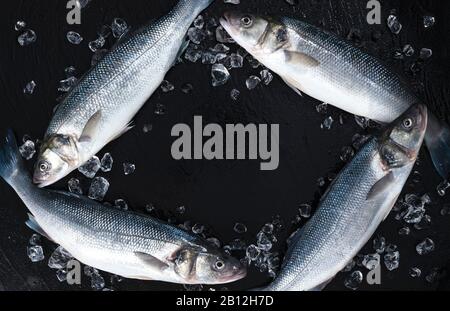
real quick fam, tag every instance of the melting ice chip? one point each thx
(20, 25)
(35, 239)
(392, 260)
(59, 258)
(29, 88)
(97, 281)
(354, 280)
(426, 53)
(252, 82)
(160, 109)
(166, 86)
(234, 94)
(220, 48)
(106, 163)
(379, 244)
(129, 168)
(67, 84)
(27, 150)
(263, 242)
(121, 204)
(97, 44)
(394, 24)
(425, 247)
(371, 261)
(347, 154)
(192, 53)
(27, 37)
(415, 208)
(266, 76)
(90, 168)
(219, 74)
(252, 252)
(327, 123)
(181, 210)
(415, 272)
(196, 35)
(70, 71)
(305, 210)
(198, 229)
(443, 187)
(408, 50)
(187, 88)
(429, 21)
(98, 189)
(74, 186)
(199, 22)
(232, 1)
(35, 253)
(240, 228)
(209, 58)
(119, 27)
(74, 37)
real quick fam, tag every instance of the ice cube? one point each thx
(252, 82)
(415, 272)
(70, 71)
(59, 258)
(150, 208)
(425, 223)
(404, 231)
(408, 50)
(74, 37)
(83, 3)
(67, 84)
(128, 168)
(74, 186)
(27, 37)
(266, 76)
(234, 61)
(61, 275)
(416, 209)
(20, 25)
(199, 22)
(425, 247)
(434, 275)
(196, 35)
(392, 260)
(97, 44)
(35, 253)
(193, 54)
(443, 187)
(347, 154)
(181, 209)
(354, 280)
(90, 168)
(263, 242)
(234, 94)
(160, 109)
(166, 86)
(394, 25)
(305, 210)
(322, 108)
(121, 204)
(97, 281)
(240, 228)
(29, 88)
(219, 74)
(98, 188)
(209, 58)
(220, 48)
(252, 252)
(327, 123)
(428, 21)
(379, 244)
(371, 261)
(198, 229)
(147, 128)
(119, 27)
(425, 53)
(27, 150)
(268, 229)
(35, 239)
(238, 245)
(106, 163)
(187, 88)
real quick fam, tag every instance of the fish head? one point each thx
(257, 34)
(403, 139)
(208, 266)
(58, 156)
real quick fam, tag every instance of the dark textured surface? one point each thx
(217, 193)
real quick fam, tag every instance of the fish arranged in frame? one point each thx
(353, 207)
(116, 241)
(101, 106)
(328, 68)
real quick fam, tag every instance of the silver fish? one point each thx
(99, 109)
(328, 68)
(124, 243)
(353, 207)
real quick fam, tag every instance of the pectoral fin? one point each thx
(92, 128)
(320, 287)
(300, 60)
(293, 85)
(151, 261)
(33, 225)
(381, 186)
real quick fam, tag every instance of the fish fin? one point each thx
(381, 186)
(33, 225)
(91, 128)
(320, 287)
(126, 129)
(437, 140)
(151, 261)
(300, 60)
(293, 86)
(12, 167)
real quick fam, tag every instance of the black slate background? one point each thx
(221, 193)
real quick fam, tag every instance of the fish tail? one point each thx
(12, 168)
(438, 143)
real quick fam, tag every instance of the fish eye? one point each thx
(247, 21)
(408, 123)
(44, 167)
(219, 265)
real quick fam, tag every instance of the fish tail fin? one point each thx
(12, 167)
(438, 143)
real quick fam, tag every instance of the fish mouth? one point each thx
(226, 21)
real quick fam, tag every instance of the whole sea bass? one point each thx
(330, 69)
(113, 240)
(101, 106)
(353, 207)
